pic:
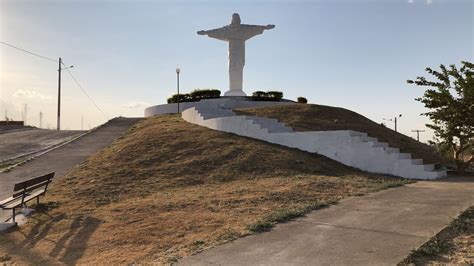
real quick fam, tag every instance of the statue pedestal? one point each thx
(235, 93)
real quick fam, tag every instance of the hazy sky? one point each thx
(354, 54)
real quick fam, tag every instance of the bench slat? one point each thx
(31, 182)
(17, 202)
(14, 203)
(29, 189)
(5, 201)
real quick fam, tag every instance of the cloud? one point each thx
(411, 1)
(31, 94)
(134, 105)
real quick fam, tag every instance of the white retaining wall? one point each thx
(349, 147)
(223, 102)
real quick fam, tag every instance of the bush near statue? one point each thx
(195, 95)
(198, 94)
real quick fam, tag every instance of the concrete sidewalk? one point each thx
(380, 228)
(63, 159)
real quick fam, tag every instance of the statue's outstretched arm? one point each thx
(219, 33)
(253, 30)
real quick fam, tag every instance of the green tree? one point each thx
(450, 101)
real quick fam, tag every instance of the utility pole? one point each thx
(417, 133)
(82, 123)
(41, 120)
(59, 92)
(59, 95)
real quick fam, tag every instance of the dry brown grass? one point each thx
(168, 189)
(312, 117)
(454, 245)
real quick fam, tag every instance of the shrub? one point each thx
(267, 96)
(182, 98)
(302, 100)
(275, 95)
(205, 94)
(195, 96)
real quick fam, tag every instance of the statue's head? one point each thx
(235, 19)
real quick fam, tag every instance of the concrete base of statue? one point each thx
(235, 93)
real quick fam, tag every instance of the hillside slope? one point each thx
(312, 117)
(168, 188)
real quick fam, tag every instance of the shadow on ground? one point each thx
(69, 248)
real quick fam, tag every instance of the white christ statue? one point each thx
(236, 34)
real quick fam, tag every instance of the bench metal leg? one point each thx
(14, 214)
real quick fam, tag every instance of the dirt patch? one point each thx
(454, 245)
(168, 189)
(312, 117)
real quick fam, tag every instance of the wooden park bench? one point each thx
(26, 191)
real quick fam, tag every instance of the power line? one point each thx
(84, 91)
(69, 72)
(23, 50)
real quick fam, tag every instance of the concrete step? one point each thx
(377, 144)
(417, 161)
(429, 167)
(404, 156)
(271, 124)
(209, 114)
(384, 144)
(392, 150)
(368, 139)
(357, 133)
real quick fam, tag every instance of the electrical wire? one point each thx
(69, 72)
(84, 91)
(23, 50)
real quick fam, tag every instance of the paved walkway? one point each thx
(64, 158)
(380, 228)
(17, 143)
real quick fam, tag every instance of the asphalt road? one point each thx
(17, 143)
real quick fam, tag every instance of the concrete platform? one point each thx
(229, 102)
(378, 229)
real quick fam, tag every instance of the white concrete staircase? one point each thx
(349, 147)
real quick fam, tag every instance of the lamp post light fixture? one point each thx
(394, 121)
(177, 76)
(59, 91)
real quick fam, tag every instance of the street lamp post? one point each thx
(59, 92)
(394, 121)
(177, 76)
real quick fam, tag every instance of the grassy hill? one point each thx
(312, 117)
(167, 189)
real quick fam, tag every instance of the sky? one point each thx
(355, 54)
